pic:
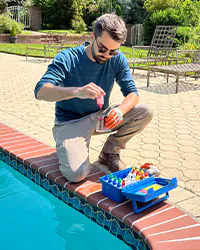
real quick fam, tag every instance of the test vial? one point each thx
(100, 124)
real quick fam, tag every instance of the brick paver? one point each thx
(171, 140)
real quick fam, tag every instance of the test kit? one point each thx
(136, 184)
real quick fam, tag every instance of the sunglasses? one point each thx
(103, 49)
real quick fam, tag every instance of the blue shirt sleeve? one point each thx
(124, 77)
(56, 73)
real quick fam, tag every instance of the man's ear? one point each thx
(92, 35)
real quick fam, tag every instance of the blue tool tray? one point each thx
(143, 193)
(113, 192)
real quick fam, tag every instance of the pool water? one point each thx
(32, 218)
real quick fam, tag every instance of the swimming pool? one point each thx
(32, 218)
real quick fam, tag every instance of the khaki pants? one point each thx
(73, 139)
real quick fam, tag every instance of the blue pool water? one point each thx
(33, 219)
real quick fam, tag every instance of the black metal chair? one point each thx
(160, 49)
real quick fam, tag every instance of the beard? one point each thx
(98, 58)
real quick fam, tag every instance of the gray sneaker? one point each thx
(112, 161)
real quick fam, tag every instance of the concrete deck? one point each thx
(171, 140)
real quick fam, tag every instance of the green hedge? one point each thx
(186, 14)
(7, 25)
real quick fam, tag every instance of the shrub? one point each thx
(182, 36)
(7, 25)
(185, 14)
(78, 25)
(193, 41)
(13, 32)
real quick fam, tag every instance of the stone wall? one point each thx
(36, 38)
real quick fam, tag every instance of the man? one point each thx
(75, 80)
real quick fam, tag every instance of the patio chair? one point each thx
(158, 51)
(51, 42)
(192, 68)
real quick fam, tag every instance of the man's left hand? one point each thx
(114, 118)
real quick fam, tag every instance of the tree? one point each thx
(133, 11)
(3, 6)
(155, 5)
(184, 14)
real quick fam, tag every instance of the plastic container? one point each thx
(115, 192)
(143, 193)
(100, 101)
(100, 125)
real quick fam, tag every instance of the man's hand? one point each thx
(114, 118)
(50, 92)
(90, 90)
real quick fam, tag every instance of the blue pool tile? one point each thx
(141, 245)
(29, 174)
(96, 209)
(87, 209)
(71, 200)
(65, 196)
(122, 225)
(101, 218)
(114, 226)
(1, 156)
(21, 169)
(94, 212)
(83, 202)
(134, 241)
(54, 190)
(128, 237)
(133, 247)
(71, 194)
(76, 203)
(121, 231)
(45, 184)
(107, 224)
(6, 159)
(37, 178)
(108, 216)
(14, 164)
(82, 205)
(60, 195)
(61, 189)
(94, 216)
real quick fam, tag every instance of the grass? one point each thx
(26, 32)
(20, 49)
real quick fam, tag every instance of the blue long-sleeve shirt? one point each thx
(72, 68)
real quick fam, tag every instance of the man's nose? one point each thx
(107, 54)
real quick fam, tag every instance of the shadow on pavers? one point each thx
(165, 88)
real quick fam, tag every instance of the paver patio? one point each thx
(172, 140)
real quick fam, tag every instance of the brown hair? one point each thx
(113, 24)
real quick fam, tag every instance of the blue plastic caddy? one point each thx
(143, 193)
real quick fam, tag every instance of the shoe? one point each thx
(112, 161)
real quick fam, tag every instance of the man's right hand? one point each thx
(50, 92)
(91, 90)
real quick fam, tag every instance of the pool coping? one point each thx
(161, 226)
